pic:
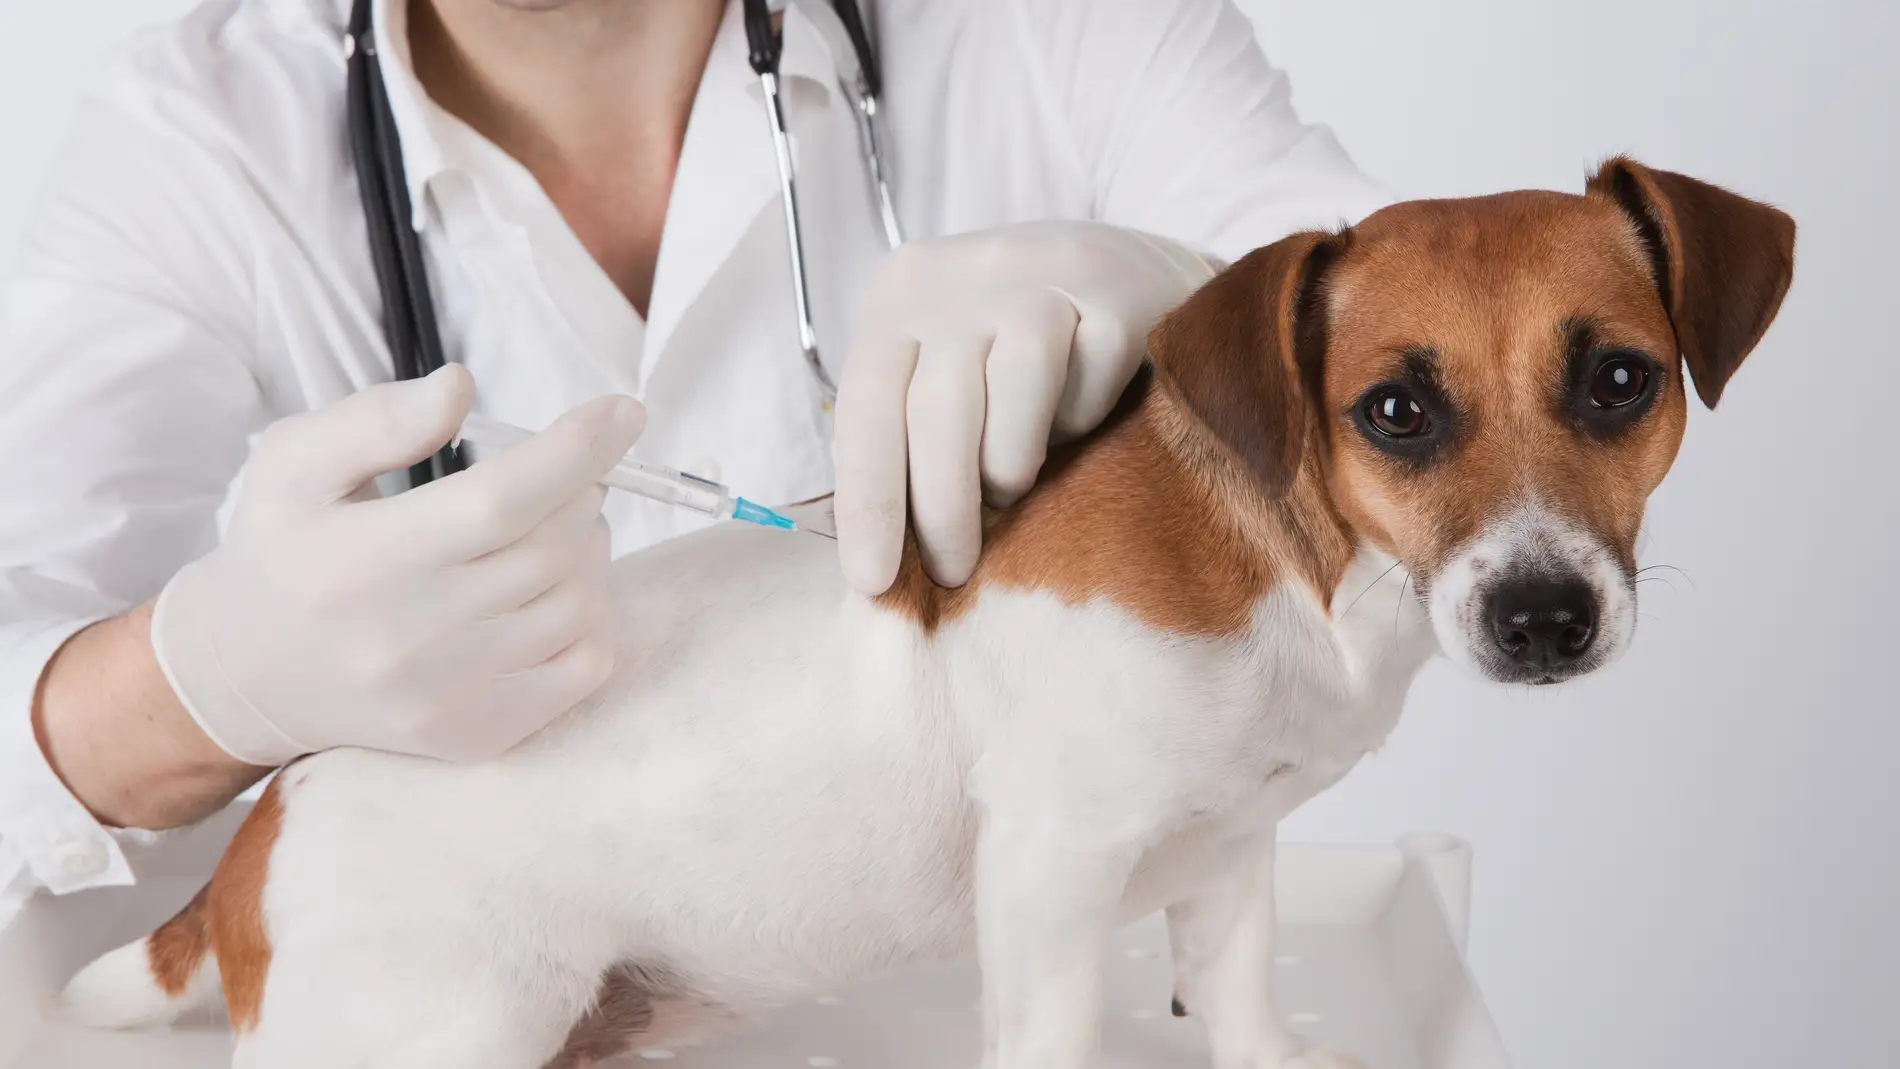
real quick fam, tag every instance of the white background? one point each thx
(1687, 862)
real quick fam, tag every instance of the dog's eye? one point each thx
(1396, 414)
(1619, 381)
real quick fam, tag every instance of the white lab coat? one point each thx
(200, 268)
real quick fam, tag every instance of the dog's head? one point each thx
(1489, 389)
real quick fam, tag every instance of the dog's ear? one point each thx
(1723, 262)
(1243, 355)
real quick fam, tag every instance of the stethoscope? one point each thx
(402, 279)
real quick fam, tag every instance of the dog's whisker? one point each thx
(1369, 587)
(1668, 567)
(1400, 607)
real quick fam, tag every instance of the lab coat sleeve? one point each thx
(125, 407)
(1184, 128)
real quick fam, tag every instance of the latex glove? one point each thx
(450, 621)
(971, 352)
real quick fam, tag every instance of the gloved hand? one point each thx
(450, 621)
(970, 351)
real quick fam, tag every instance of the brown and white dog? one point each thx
(1433, 431)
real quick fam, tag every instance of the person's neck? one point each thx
(576, 87)
(592, 96)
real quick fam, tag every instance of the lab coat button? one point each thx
(79, 859)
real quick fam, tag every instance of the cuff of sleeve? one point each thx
(46, 834)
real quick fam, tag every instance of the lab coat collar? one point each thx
(418, 119)
(428, 132)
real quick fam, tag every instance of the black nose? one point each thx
(1544, 625)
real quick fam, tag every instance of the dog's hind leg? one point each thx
(1222, 941)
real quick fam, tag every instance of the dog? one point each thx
(1435, 430)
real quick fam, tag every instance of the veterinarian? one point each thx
(196, 355)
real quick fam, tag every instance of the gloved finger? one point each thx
(326, 455)
(561, 616)
(1023, 381)
(501, 499)
(868, 451)
(558, 547)
(945, 413)
(1108, 347)
(524, 702)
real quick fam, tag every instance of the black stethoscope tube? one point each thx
(402, 277)
(764, 45)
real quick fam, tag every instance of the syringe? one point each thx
(650, 481)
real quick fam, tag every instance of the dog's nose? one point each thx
(1544, 625)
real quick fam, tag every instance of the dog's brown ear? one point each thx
(1723, 262)
(1242, 355)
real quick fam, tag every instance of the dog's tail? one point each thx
(216, 946)
(155, 980)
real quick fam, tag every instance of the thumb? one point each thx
(323, 456)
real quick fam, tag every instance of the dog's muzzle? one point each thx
(1534, 599)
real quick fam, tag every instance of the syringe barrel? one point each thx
(672, 487)
(650, 481)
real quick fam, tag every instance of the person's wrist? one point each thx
(116, 735)
(179, 634)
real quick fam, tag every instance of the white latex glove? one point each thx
(450, 621)
(971, 352)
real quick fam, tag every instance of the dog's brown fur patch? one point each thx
(176, 950)
(236, 901)
(1132, 516)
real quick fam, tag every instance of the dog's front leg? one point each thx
(1222, 940)
(1046, 906)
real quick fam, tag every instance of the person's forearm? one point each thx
(117, 736)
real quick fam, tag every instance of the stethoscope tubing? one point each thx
(794, 234)
(402, 277)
